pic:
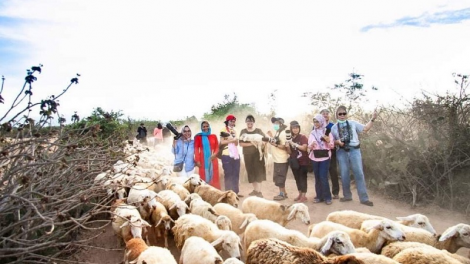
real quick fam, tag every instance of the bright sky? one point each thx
(172, 59)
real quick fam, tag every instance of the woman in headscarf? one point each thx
(183, 148)
(206, 147)
(320, 146)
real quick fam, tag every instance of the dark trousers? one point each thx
(231, 168)
(300, 176)
(334, 173)
(322, 187)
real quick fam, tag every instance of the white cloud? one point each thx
(169, 60)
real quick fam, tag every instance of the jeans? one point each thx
(322, 186)
(353, 160)
(231, 168)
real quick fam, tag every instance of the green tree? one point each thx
(230, 105)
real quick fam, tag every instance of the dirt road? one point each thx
(440, 218)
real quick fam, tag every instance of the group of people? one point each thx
(327, 145)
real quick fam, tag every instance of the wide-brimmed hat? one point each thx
(294, 124)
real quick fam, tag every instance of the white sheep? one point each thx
(274, 251)
(192, 182)
(451, 240)
(198, 251)
(392, 249)
(424, 256)
(223, 223)
(213, 195)
(274, 211)
(127, 223)
(161, 220)
(383, 231)
(191, 197)
(237, 217)
(336, 242)
(256, 140)
(354, 219)
(178, 189)
(173, 203)
(143, 198)
(156, 255)
(194, 225)
(204, 209)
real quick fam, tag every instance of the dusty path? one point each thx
(440, 218)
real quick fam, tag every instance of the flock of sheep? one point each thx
(205, 222)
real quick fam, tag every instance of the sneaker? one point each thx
(335, 196)
(368, 203)
(279, 197)
(343, 199)
(259, 194)
(240, 195)
(253, 193)
(328, 202)
(316, 200)
(302, 199)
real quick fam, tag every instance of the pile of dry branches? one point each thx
(48, 194)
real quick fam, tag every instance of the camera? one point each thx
(288, 135)
(327, 132)
(346, 145)
(274, 140)
(174, 131)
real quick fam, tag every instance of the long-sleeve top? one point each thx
(318, 144)
(184, 151)
(158, 133)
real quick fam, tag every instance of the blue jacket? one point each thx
(184, 151)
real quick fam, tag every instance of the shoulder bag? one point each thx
(178, 167)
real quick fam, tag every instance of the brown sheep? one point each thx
(273, 251)
(213, 195)
(134, 247)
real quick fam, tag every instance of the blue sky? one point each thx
(168, 60)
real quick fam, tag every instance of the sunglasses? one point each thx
(342, 114)
(186, 131)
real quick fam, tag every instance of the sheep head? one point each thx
(228, 241)
(338, 242)
(229, 197)
(418, 221)
(389, 230)
(299, 210)
(461, 231)
(249, 217)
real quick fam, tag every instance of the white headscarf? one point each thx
(318, 133)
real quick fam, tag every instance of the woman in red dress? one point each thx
(206, 146)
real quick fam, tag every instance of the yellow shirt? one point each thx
(225, 151)
(280, 155)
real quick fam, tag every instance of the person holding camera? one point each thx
(183, 149)
(333, 170)
(279, 148)
(230, 155)
(142, 133)
(298, 159)
(206, 147)
(254, 164)
(320, 142)
(348, 152)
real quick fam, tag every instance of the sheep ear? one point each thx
(292, 214)
(159, 222)
(326, 248)
(125, 224)
(145, 223)
(450, 232)
(244, 223)
(222, 197)
(217, 241)
(212, 212)
(173, 206)
(283, 207)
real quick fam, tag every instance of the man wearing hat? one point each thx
(279, 152)
(230, 155)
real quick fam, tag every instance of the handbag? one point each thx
(178, 167)
(321, 153)
(294, 163)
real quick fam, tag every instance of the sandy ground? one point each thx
(107, 251)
